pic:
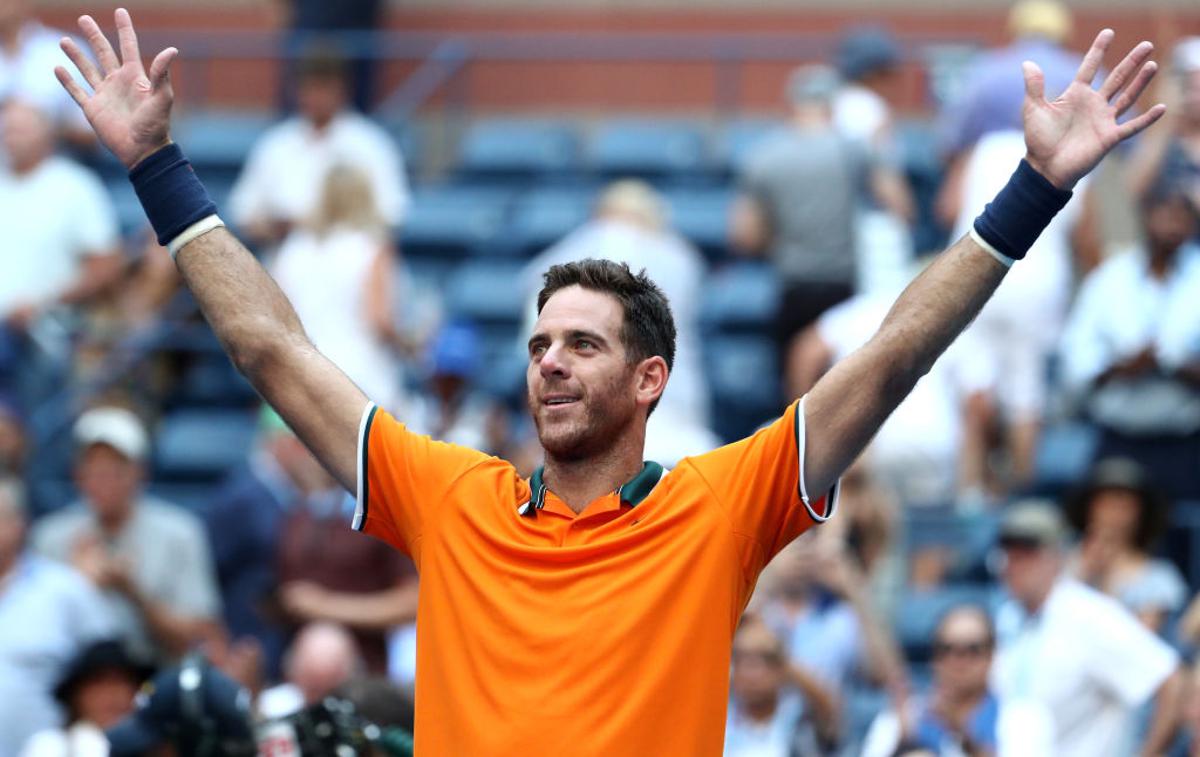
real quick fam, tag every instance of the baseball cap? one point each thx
(1033, 523)
(194, 706)
(866, 49)
(114, 426)
(107, 654)
(1040, 18)
(455, 351)
(1187, 55)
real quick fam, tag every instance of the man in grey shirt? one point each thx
(150, 558)
(48, 613)
(800, 192)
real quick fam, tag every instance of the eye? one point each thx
(536, 350)
(584, 344)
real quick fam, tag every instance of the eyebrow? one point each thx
(542, 337)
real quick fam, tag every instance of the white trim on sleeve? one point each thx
(360, 507)
(832, 497)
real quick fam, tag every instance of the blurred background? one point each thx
(408, 169)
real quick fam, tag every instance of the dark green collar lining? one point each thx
(631, 493)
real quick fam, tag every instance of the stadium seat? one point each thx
(740, 298)
(517, 149)
(212, 381)
(647, 149)
(201, 445)
(702, 216)
(453, 222)
(194, 497)
(743, 376)
(738, 138)
(966, 538)
(544, 216)
(486, 292)
(504, 361)
(1064, 454)
(918, 613)
(219, 141)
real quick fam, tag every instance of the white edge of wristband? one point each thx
(1005, 260)
(196, 230)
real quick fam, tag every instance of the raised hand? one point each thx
(1067, 137)
(129, 110)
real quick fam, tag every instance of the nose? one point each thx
(554, 362)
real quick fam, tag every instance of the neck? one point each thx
(1034, 602)
(1160, 262)
(26, 167)
(113, 523)
(321, 124)
(578, 482)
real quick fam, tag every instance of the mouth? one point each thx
(559, 400)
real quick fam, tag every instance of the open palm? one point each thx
(1066, 138)
(129, 109)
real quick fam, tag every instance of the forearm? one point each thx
(100, 272)
(376, 611)
(1165, 721)
(818, 697)
(175, 633)
(851, 401)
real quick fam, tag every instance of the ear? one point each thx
(651, 378)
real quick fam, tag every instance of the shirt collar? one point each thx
(632, 492)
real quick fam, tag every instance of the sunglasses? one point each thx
(967, 649)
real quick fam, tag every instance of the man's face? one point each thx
(1029, 571)
(319, 98)
(962, 654)
(13, 13)
(28, 135)
(108, 480)
(1169, 223)
(1113, 515)
(582, 392)
(105, 698)
(759, 666)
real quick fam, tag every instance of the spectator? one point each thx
(1129, 350)
(1022, 322)
(311, 22)
(281, 185)
(48, 614)
(799, 198)
(322, 658)
(868, 60)
(1172, 151)
(1120, 516)
(816, 600)
(97, 692)
(919, 451)
(12, 439)
(337, 268)
(28, 50)
(630, 226)
(452, 410)
(960, 715)
(1076, 652)
(330, 573)
(78, 255)
(149, 557)
(767, 717)
(245, 518)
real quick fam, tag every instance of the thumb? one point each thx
(1035, 81)
(160, 68)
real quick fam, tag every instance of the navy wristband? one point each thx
(170, 193)
(1012, 222)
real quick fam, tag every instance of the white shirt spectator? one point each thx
(53, 217)
(28, 73)
(774, 738)
(1122, 309)
(1023, 729)
(325, 277)
(861, 114)
(80, 740)
(1087, 660)
(286, 170)
(1022, 321)
(48, 613)
(679, 426)
(916, 450)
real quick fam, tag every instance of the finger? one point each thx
(1135, 125)
(82, 62)
(73, 89)
(1121, 75)
(127, 38)
(1035, 81)
(100, 45)
(1131, 93)
(160, 67)
(1093, 59)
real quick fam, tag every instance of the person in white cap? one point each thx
(150, 558)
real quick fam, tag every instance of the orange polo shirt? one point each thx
(540, 631)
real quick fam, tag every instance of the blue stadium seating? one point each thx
(451, 221)
(702, 216)
(738, 138)
(919, 611)
(212, 381)
(966, 538)
(218, 142)
(487, 292)
(544, 216)
(647, 149)
(744, 379)
(1064, 455)
(201, 445)
(517, 149)
(741, 298)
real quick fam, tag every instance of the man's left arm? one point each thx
(1065, 139)
(1168, 704)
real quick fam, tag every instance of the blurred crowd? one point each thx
(970, 599)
